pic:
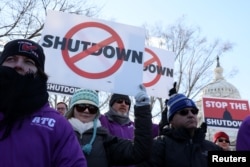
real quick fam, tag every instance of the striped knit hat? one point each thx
(178, 102)
(85, 96)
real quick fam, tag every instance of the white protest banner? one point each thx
(96, 54)
(158, 71)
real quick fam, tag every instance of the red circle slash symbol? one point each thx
(150, 61)
(70, 61)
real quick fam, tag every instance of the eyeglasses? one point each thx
(221, 140)
(120, 101)
(82, 107)
(186, 111)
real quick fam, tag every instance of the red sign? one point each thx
(225, 112)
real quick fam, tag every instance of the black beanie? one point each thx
(24, 47)
(115, 97)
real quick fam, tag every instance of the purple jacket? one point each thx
(124, 131)
(45, 139)
(243, 142)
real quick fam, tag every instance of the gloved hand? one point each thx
(164, 121)
(141, 98)
(204, 127)
(173, 90)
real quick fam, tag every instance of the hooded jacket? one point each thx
(43, 139)
(32, 134)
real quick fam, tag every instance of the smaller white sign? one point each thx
(158, 75)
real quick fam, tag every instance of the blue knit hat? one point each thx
(84, 96)
(178, 102)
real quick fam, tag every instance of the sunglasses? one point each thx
(82, 107)
(61, 108)
(186, 111)
(221, 140)
(120, 101)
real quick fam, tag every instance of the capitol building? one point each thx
(219, 88)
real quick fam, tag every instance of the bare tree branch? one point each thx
(195, 55)
(25, 18)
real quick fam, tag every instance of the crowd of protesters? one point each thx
(34, 134)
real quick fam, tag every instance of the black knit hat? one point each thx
(24, 47)
(115, 97)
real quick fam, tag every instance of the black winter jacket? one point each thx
(108, 150)
(176, 149)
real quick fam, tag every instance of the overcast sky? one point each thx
(224, 19)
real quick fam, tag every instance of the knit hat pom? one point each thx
(87, 148)
(178, 102)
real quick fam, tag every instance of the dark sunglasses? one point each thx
(221, 140)
(120, 101)
(82, 107)
(61, 108)
(186, 111)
